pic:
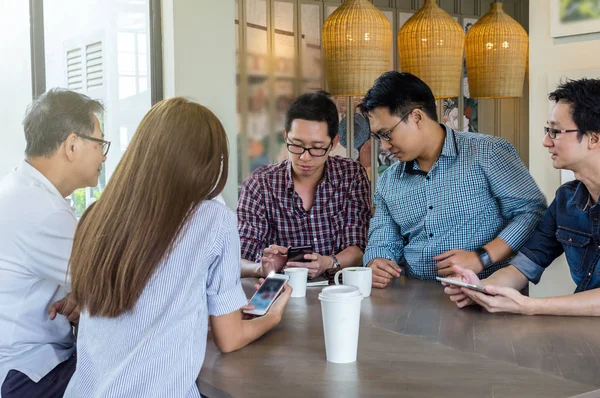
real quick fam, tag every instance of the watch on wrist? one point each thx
(336, 263)
(484, 257)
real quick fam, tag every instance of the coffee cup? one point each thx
(297, 281)
(340, 307)
(361, 277)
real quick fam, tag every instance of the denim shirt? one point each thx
(571, 225)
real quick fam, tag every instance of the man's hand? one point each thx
(67, 307)
(455, 292)
(273, 259)
(503, 299)
(384, 271)
(317, 265)
(462, 258)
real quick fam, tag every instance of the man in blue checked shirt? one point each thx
(571, 224)
(452, 199)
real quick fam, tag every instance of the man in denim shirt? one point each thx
(571, 224)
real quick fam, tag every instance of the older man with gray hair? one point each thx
(65, 151)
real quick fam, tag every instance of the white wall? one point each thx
(199, 62)
(549, 59)
(15, 81)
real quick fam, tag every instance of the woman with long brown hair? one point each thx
(154, 256)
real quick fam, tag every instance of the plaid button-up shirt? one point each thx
(270, 211)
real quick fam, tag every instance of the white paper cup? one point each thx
(340, 306)
(361, 277)
(297, 280)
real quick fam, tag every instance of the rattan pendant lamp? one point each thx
(431, 45)
(496, 51)
(356, 41)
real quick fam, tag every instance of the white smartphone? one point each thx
(463, 284)
(267, 293)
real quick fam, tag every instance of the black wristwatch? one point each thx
(484, 257)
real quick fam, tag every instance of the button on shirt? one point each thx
(476, 191)
(157, 349)
(571, 225)
(36, 234)
(271, 212)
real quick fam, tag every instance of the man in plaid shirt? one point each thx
(310, 199)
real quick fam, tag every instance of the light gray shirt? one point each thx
(36, 235)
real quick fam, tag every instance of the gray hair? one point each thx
(53, 116)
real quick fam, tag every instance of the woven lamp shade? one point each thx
(356, 41)
(497, 48)
(431, 45)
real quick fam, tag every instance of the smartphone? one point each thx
(296, 254)
(471, 286)
(267, 293)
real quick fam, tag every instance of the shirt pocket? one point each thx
(575, 244)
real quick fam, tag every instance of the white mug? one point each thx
(297, 280)
(361, 277)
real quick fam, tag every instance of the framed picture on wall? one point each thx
(574, 17)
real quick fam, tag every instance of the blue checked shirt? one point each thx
(476, 191)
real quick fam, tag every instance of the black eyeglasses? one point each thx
(552, 132)
(105, 144)
(387, 135)
(299, 150)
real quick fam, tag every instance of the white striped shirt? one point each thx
(157, 349)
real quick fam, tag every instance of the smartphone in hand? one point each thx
(471, 286)
(296, 254)
(266, 294)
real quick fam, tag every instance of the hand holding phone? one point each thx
(471, 286)
(266, 294)
(296, 254)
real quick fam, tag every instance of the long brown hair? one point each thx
(178, 157)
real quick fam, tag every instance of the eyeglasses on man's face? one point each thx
(299, 149)
(553, 132)
(387, 135)
(105, 144)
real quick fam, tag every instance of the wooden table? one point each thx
(413, 342)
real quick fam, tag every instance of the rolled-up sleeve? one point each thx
(253, 225)
(223, 286)
(541, 249)
(385, 240)
(521, 201)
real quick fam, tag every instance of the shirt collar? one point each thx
(449, 149)
(29, 171)
(581, 199)
(328, 175)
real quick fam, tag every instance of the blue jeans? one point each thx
(54, 384)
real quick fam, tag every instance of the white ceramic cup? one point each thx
(298, 277)
(361, 277)
(340, 306)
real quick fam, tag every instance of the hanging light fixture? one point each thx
(356, 41)
(431, 45)
(496, 50)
